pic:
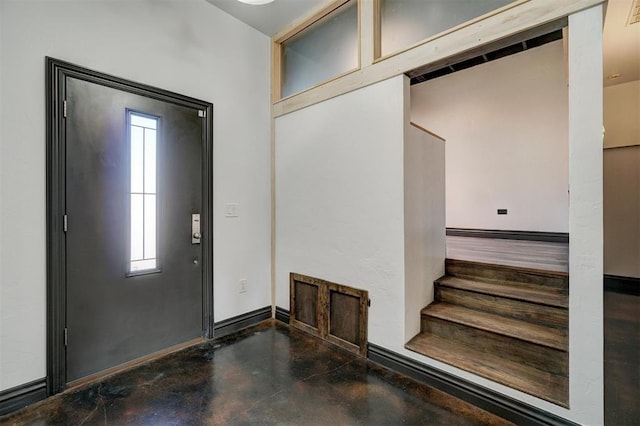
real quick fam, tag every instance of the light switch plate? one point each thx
(231, 210)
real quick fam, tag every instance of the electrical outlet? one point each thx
(243, 285)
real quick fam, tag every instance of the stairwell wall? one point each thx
(424, 219)
(505, 123)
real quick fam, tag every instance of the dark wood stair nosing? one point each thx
(542, 357)
(489, 361)
(509, 283)
(527, 311)
(425, 312)
(488, 271)
(511, 268)
(521, 298)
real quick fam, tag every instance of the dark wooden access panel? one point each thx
(334, 312)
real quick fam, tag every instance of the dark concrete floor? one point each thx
(621, 359)
(272, 375)
(265, 375)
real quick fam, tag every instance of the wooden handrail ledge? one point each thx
(419, 127)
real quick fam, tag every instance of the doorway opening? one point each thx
(504, 115)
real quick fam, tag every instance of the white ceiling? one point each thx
(269, 18)
(621, 42)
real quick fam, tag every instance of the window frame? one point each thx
(369, 51)
(297, 29)
(127, 193)
(377, 32)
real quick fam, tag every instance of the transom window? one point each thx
(322, 51)
(143, 193)
(404, 23)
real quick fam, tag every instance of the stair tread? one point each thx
(510, 268)
(523, 292)
(542, 384)
(542, 335)
(494, 273)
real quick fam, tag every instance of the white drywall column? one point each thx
(585, 217)
(424, 219)
(339, 200)
(1, 178)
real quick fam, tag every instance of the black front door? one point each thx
(133, 183)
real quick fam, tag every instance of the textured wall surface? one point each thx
(505, 123)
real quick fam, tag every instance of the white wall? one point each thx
(622, 211)
(622, 114)
(505, 123)
(424, 220)
(1, 197)
(339, 200)
(189, 47)
(360, 202)
(621, 104)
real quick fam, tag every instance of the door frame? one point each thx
(56, 73)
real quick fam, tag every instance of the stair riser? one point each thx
(516, 350)
(471, 270)
(532, 312)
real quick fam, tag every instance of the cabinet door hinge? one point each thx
(369, 302)
(65, 336)
(65, 223)
(202, 113)
(64, 108)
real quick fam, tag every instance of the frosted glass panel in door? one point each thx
(407, 22)
(143, 170)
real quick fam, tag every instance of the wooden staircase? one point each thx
(504, 323)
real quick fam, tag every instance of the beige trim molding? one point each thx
(440, 34)
(308, 20)
(419, 127)
(277, 47)
(511, 20)
(276, 72)
(621, 146)
(367, 28)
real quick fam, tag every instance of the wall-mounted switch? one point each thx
(243, 285)
(502, 211)
(231, 210)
